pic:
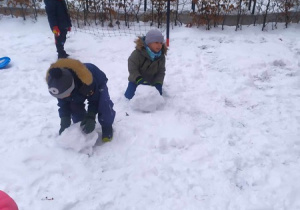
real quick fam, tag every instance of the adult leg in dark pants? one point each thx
(60, 42)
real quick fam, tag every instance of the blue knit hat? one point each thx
(154, 35)
(60, 82)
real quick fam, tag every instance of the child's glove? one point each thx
(158, 86)
(56, 31)
(129, 93)
(88, 123)
(140, 81)
(65, 122)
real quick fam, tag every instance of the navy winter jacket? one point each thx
(57, 13)
(87, 76)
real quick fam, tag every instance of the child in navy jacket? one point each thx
(73, 83)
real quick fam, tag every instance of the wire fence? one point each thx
(136, 17)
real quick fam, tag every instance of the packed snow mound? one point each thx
(147, 99)
(73, 138)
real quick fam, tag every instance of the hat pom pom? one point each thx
(55, 73)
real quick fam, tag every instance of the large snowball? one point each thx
(146, 99)
(73, 138)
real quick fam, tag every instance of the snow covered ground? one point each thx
(226, 135)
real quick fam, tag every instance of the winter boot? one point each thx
(107, 133)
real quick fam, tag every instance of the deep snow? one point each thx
(225, 136)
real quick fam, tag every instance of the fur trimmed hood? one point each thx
(140, 44)
(76, 66)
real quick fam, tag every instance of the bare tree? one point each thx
(265, 15)
(227, 8)
(253, 8)
(259, 8)
(241, 9)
